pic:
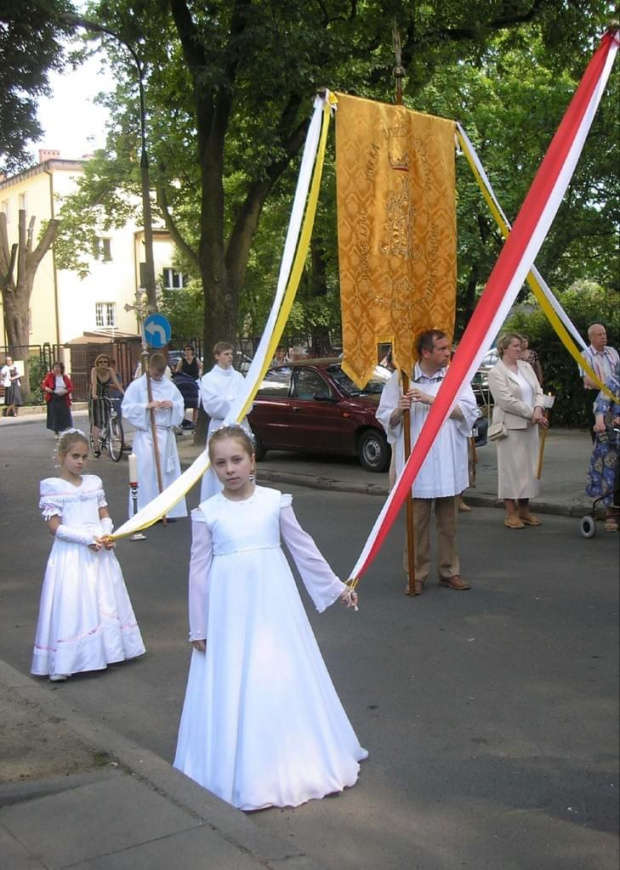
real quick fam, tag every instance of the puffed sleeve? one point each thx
(199, 576)
(50, 501)
(322, 584)
(98, 487)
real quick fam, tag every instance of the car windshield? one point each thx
(374, 386)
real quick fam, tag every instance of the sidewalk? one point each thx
(565, 465)
(566, 458)
(130, 810)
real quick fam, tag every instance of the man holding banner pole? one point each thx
(444, 473)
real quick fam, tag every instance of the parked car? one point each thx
(313, 406)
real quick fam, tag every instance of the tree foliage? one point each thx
(30, 46)
(229, 86)
(585, 303)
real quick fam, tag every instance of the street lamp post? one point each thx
(149, 277)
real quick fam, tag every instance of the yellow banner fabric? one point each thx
(395, 172)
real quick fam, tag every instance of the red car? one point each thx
(313, 406)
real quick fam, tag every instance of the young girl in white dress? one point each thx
(86, 620)
(262, 724)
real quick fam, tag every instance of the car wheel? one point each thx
(259, 449)
(373, 450)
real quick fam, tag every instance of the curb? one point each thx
(330, 484)
(159, 775)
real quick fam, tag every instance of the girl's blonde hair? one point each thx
(237, 432)
(68, 439)
(101, 356)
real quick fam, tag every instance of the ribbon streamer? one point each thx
(551, 307)
(515, 261)
(293, 258)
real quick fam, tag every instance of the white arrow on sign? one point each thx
(155, 329)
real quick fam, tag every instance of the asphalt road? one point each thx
(490, 715)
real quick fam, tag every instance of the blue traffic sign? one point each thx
(157, 331)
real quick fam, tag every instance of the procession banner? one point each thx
(298, 236)
(552, 309)
(395, 176)
(514, 263)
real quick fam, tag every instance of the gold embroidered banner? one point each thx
(395, 172)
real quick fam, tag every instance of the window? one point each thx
(102, 249)
(6, 209)
(307, 383)
(276, 383)
(105, 314)
(174, 280)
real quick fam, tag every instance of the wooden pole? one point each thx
(149, 390)
(410, 589)
(541, 451)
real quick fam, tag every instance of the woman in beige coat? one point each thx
(518, 401)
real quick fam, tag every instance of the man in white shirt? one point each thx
(218, 389)
(168, 407)
(444, 473)
(603, 359)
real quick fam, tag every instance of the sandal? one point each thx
(512, 521)
(529, 519)
(611, 524)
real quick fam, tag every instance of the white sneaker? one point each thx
(58, 678)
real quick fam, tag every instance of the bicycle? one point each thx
(111, 436)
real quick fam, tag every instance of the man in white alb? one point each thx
(444, 473)
(168, 408)
(218, 389)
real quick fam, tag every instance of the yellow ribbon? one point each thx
(534, 285)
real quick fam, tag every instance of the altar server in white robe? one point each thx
(219, 388)
(444, 473)
(169, 409)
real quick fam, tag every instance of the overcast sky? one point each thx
(70, 120)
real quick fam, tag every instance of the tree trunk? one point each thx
(17, 290)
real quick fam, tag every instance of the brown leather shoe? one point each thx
(455, 582)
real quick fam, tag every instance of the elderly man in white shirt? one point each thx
(444, 473)
(603, 360)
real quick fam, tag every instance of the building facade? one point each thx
(63, 305)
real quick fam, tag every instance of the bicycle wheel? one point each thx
(115, 439)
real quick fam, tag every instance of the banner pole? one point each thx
(410, 588)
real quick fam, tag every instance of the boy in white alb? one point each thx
(168, 408)
(218, 389)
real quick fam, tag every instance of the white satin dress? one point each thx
(262, 724)
(86, 620)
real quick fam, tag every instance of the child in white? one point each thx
(262, 724)
(86, 621)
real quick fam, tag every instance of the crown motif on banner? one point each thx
(398, 152)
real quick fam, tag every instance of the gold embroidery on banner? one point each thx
(396, 229)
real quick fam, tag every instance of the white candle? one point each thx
(133, 468)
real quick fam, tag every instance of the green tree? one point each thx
(30, 47)
(228, 88)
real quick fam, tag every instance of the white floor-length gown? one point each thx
(86, 620)
(262, 724)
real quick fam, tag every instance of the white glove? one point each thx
(74, 536)
(107, 526)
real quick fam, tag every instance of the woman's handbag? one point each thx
(497, 431)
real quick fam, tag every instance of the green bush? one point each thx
(585, 303)
(36, 372)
